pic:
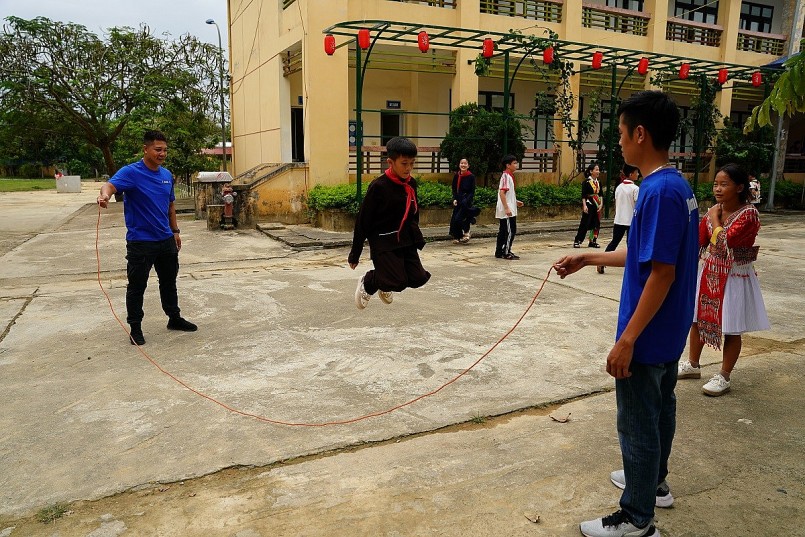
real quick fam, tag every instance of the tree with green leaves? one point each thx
(753, 151)
(787, 97)
(94, 87)
(477, 135)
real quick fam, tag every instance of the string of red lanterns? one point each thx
(488, 50)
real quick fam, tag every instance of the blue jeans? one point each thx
(646, 424)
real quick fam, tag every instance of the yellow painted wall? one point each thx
(262, 32)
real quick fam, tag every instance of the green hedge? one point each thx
(787, 194)
(431, 194)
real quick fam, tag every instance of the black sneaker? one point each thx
(576, 245)
(593, 244)
(178, 323)
(617, 524)
(136, 333)
(510, 256)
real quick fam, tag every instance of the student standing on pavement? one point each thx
(656, 307)
(728, 298)
(506, 209)
(463, 196)
(590, 208)
(152, 236)
(389, 219)
(625, 200)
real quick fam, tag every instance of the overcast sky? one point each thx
(175, 16)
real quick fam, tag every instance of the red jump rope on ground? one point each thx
(299, 423)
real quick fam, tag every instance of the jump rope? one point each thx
(300, 423)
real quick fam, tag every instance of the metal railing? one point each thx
(450, 4)
(541, 10)
(773, 44)
(430, 160)
(693, 32)
(614, 19)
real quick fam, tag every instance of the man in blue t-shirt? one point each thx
(152, 237)
(656, 309)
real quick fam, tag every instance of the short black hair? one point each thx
(508, 159)
(628, 169)
(589, 169)
(400, 147)
(656, 112)
(150, 137)
(739, 176)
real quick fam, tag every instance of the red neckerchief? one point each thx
(460, 175)
(409, 196)
(626, 181)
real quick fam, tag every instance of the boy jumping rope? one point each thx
(656, 307)
(389, 218)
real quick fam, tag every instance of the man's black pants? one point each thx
(141, 256)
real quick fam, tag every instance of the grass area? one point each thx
(25, 185)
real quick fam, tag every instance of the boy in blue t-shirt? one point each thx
(152, 236)
(656, 309)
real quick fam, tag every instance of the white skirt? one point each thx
(743, 309)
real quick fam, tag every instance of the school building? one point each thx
(293, 103)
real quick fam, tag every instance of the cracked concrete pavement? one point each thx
(88, 419)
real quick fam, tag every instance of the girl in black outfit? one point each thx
(590, 205)
(463, 195)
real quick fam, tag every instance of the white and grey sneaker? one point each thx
(386, 297)
(664, 497)
(716, 386)
(616, 525)
(361, 296)
(687, 371)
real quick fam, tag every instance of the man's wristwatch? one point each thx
(175, 231)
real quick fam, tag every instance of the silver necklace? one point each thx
(658, 168)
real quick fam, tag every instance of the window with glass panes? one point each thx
(756, 17)
(705, 11)
(543, 114)
(493, 100)
(634, 5)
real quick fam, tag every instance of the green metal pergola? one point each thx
(510, 43)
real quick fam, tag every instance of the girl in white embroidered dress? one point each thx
(728, 299)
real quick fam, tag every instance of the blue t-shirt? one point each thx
(664, 229)
(147, 197)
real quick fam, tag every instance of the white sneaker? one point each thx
(716, 386)
(361, 296)
(663, 499)
(386, 297)
(687, 371)
(616, 525)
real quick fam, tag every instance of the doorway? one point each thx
(390, 126)
(297, 135)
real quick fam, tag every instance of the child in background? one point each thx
(506, 209)
(728, 299)
(625, 200)
(463, 196)
(389, 219)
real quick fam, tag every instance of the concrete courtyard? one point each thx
(527, 435)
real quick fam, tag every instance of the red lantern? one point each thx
(489, 48)
(642, 66)
(329, 44)
(757, 79)
(598, 57)
(424, 41)
(684, 71)
(547, 55)
(364, 38)
(722, 76)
